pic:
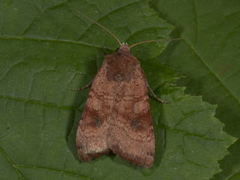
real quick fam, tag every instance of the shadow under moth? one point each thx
(116, 117)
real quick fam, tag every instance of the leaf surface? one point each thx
(47, 49)
(209, 56)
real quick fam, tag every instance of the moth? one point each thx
(116, 117)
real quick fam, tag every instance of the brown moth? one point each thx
(116, 117)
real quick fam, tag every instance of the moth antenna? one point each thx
(149, 41)
(101, 26)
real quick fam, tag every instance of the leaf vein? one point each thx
(12, 163)
(37, 102)
(107, 14)
(212, 72)
(52, 40)
(195, 20)
(187, 133)
(69, 173)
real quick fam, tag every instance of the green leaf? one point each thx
(209, 57)
(47, 48)
(236, 176)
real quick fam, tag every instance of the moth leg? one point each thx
(84, 87)
(155, 96)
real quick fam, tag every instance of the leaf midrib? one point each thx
(66, 41)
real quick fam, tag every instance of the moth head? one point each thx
(124, 48)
